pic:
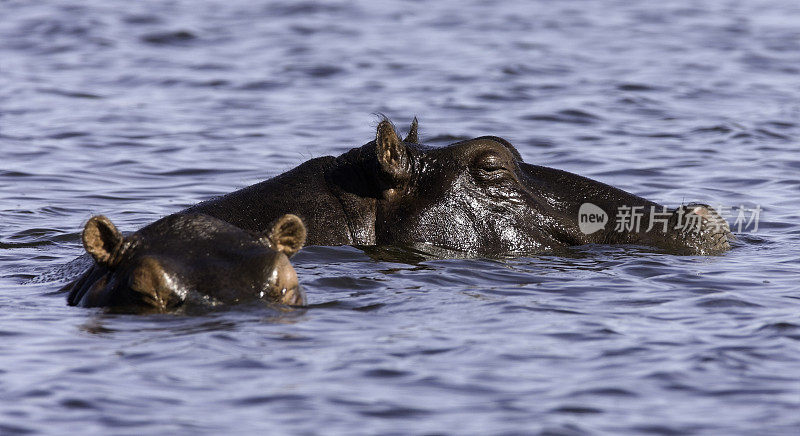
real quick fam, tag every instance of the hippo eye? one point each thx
(490, 167)
(490, 162)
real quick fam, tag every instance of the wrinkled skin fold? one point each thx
(188, 258)
(475, 196)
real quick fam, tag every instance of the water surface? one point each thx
(138, 109)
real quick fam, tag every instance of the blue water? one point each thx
(138, 109)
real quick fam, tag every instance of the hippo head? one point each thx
(189, 257)
(479, 196)
(468, 196)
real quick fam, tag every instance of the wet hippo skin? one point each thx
(475, 196)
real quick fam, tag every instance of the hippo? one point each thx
(188, 258)
(476, 196)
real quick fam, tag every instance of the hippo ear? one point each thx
(412, 136)
(392, 154)
(101, 239)
(288, 234)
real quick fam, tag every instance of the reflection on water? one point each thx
(141, 109)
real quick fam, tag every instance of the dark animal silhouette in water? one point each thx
(187, 257)
(475, 196)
